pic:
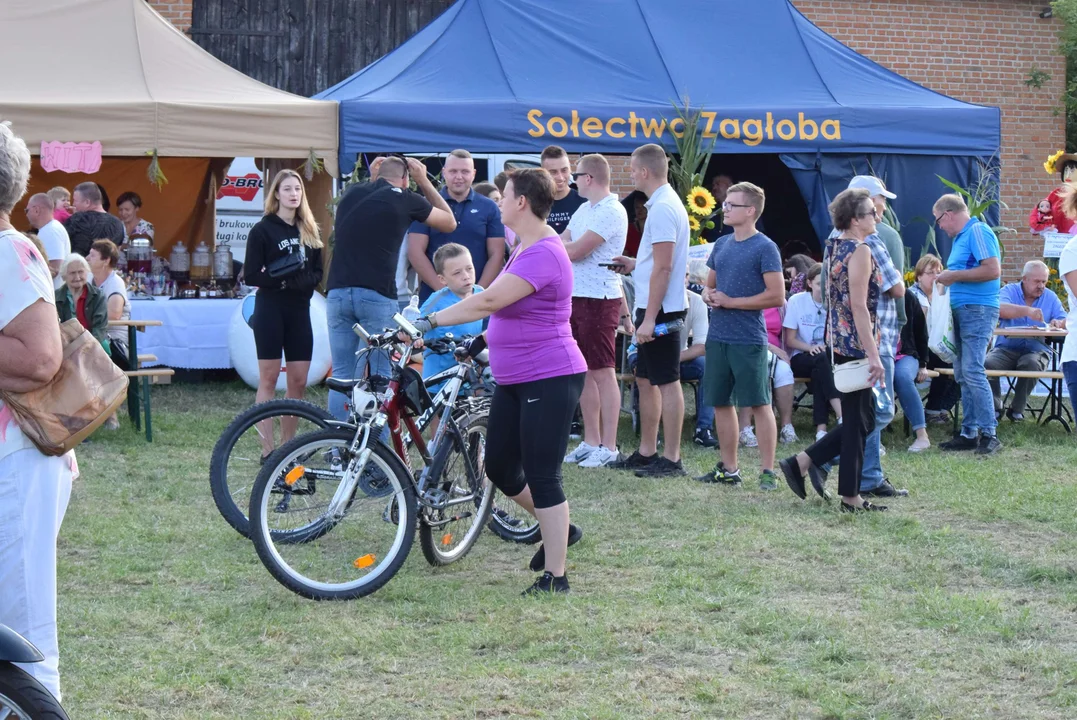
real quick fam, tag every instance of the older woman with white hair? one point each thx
(78, 298)
(35, 488)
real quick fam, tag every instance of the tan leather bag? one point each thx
(80, 397)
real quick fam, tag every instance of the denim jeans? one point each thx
(343, 308)
(871, 476)
(973, 327)
(905, 371)
(1069, 372)
(693, 370)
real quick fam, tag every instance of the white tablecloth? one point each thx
(194, 335)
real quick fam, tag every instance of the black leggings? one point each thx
(281, 322)
(847, 439)
(816, 367)
(527, 436)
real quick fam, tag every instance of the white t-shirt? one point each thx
(114, 285)
(57, 245)
(667, 221)
(696, 323)
(607, 219)
(1067, 263)
(807, 317)
(24, 279)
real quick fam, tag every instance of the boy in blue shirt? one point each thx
(454, 267)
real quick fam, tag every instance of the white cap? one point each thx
(872, 184)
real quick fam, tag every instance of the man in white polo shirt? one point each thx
(658, 271)
(50, 232)
(595, 236)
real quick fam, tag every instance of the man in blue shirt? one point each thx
(1025, 304)
(972, 276)
(478, 228)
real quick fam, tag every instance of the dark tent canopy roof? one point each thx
(604, 75)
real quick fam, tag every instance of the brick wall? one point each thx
(176, 11)
(979, 51)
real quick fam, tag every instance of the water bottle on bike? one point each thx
(411, 312)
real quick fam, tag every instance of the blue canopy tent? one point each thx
(605, 76)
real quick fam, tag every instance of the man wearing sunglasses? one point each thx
(972, 275)
(554, 160)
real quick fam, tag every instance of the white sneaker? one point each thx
(747, 437)
(882, 451)
(819, 435)
(601, 457)
(788, 435)
(580, 453)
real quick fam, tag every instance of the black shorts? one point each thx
(281, 322)
(659, 361)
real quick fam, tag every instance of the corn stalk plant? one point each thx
(692, 154)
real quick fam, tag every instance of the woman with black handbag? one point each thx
(853, 288)
(284, 261)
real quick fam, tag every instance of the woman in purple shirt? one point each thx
(538, 368)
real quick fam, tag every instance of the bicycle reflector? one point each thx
(364, 562)
(294, 474)
(446, 539)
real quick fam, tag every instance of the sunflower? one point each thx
(1051, 166)
(701, 202)
(693, 224)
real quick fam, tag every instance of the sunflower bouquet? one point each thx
(1051, 166)
(1054, 282)
(702, 208)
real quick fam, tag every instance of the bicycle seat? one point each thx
(343, 385)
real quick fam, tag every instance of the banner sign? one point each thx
(71, 157)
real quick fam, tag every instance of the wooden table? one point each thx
(1053, 339)
(134, 327)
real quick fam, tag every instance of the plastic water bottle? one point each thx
(668, 327)
(411, 312)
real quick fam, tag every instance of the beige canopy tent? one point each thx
(116, 72)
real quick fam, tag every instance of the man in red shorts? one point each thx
(594, 237)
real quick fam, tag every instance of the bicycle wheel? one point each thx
(237, 455)
(447, 533)
(345, 556)
(512, 523)
(22, 697)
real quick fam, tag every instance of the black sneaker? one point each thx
(720, 476)
(547, 583)
(635, 461)
(885, 490)
(793, 477)
(818, 478)
(989, 445)
(959, 442)
(661, 467)
(705, 437)
(866, 507)
(538, 560)
(576, 430)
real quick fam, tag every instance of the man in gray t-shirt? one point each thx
(745, 279)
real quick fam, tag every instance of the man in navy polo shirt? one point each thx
(478, 228)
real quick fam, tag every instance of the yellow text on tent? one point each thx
(750, 131)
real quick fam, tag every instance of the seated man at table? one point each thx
(1025, 304)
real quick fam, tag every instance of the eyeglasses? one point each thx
(576, 175)
(728, 205)
(939, 218)
(874, 213)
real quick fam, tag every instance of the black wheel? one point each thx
(446, 533)
(238, 453)
(510, 522)
(351, 553)
(24, 698)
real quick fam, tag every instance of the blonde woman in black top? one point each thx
(284, 261)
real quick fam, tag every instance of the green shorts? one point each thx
(736, 375)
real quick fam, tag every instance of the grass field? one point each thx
(688, 600)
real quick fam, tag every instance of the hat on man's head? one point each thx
(872, 184)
